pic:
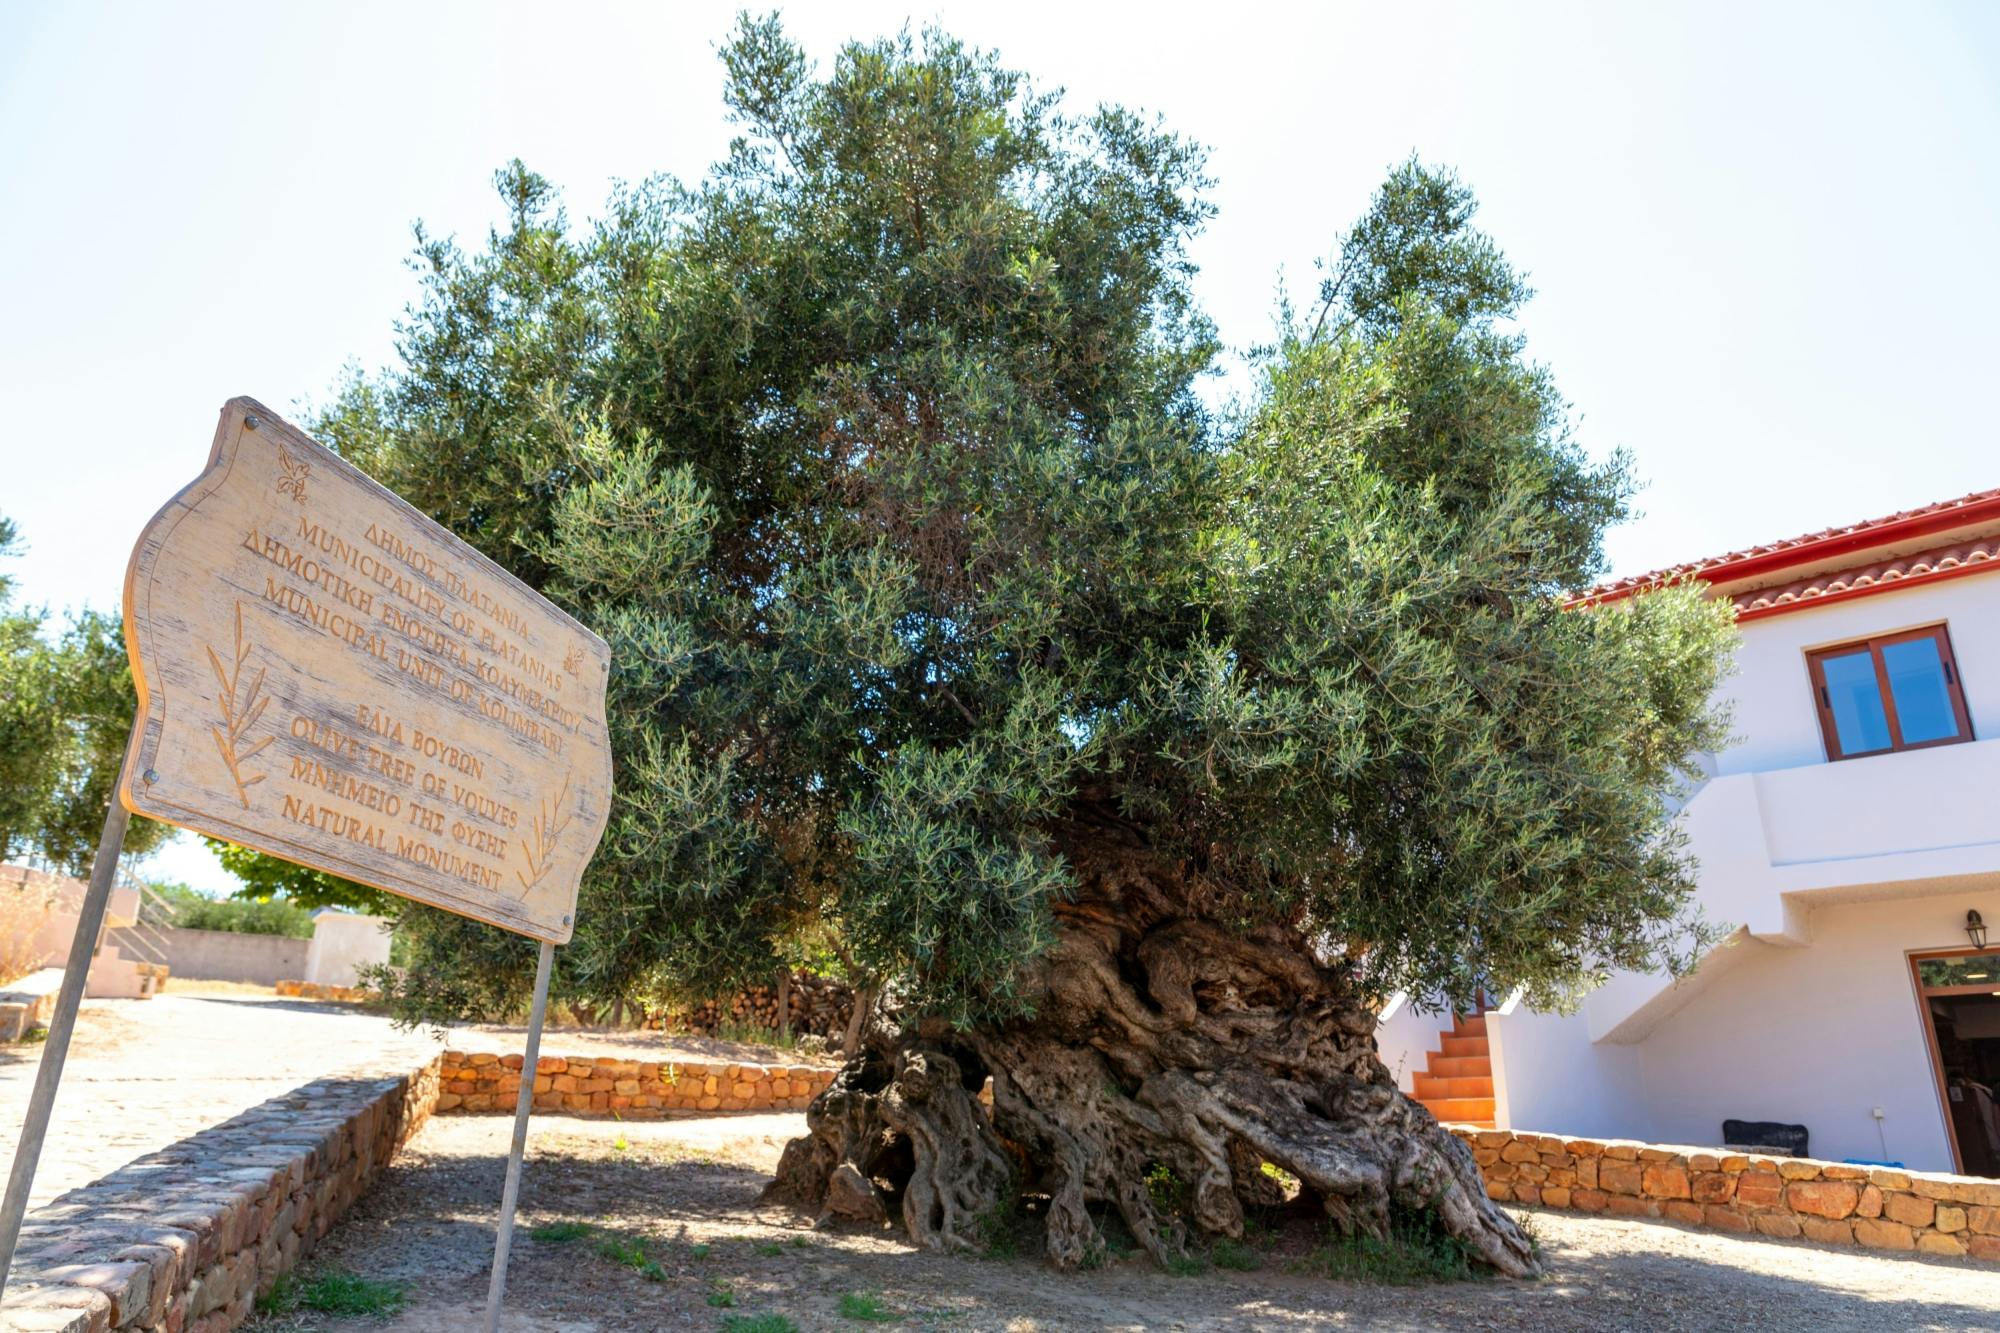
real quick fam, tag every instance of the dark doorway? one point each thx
(1960, 994)
(1968, 1045)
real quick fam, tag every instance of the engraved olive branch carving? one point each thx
(238, 715)
(293, 483)
(547, 829)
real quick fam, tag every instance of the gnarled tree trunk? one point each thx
(1158, 1038)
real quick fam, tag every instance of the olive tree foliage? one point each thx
(877, 457)
(267, 879)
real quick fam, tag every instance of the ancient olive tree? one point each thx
(1136, 750)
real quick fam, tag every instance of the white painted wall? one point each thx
(1775, 723)
(1550, 1078)
(1405, 1038)
(342, 942)
(1816, 1035)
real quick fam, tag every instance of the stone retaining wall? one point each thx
(634, 1089)
(184, 1240)
(1786, 1197)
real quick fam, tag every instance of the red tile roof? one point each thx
(1880, 576)
(1846, 547)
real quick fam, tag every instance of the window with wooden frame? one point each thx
(1896, 692)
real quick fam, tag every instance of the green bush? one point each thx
(189, 910)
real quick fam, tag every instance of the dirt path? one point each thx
(144, 1073)
(683, 1185)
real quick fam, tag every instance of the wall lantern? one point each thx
(1975, 930)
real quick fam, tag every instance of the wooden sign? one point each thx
(327, 675)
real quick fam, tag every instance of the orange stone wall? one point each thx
(635, 1089)
(313, 990)
(1786, 1197)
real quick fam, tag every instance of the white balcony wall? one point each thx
(1772, 846)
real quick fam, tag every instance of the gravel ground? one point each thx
(688, 1183)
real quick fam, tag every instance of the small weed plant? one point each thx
(1233, 1255)
(721, 1295)
(1170, 1194)
(867, 1307)
(758, 1323)
(560, 1233)
(337, 1292)
(1000, 1227)
(1530, 1229)
(1417, 1250)
(631, 1252)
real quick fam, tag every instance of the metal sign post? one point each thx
(89, 921)
(496, 1289)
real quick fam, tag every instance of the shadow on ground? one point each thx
(678, 1239)
(278, 1004)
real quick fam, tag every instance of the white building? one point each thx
(1844, 837)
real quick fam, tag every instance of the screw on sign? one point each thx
(328, 676)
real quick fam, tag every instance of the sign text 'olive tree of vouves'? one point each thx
(329, 676)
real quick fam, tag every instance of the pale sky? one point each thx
(1761, 233)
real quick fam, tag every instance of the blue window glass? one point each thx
(1855, 700)
(1917, 684)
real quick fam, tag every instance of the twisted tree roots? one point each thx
(1159, 1040)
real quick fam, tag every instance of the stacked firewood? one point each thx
(820, 1007)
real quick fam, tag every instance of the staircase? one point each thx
(1457, 1085)
(143, 940)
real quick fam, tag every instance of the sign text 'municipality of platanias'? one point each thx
(352, 609)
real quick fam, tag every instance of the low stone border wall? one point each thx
(635, 1089)
(312, 990)
(1786, 1197)
(185, 1239)
(29, 1003)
